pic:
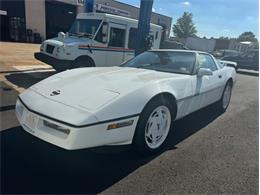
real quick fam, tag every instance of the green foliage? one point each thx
(247, 36)
(184, 27)
(224, 38)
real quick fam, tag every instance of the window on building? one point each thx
(132, 38)
(117, 37)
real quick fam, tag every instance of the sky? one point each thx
(212, 18)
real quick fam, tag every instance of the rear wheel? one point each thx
(226, 96)
(82, 62)
(154, 126)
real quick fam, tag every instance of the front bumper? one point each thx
(74, 137)
(57, 64)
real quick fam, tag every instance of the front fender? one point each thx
(132, 103)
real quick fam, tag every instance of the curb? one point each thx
(17, 71)
(248, 72)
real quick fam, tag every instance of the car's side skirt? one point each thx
(182, 113)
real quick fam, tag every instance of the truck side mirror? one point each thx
(61, 35)
(104, 32)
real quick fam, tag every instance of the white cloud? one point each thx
(226, 30)
(186, 3)
(153, 9)
(160, 9)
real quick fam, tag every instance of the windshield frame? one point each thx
(91, 36)
(190, 73)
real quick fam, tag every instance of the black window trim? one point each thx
(110, 27)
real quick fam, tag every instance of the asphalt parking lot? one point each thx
(209, 153)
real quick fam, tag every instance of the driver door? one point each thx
(208, 87)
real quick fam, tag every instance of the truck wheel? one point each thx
(82, 62)
(154, 125)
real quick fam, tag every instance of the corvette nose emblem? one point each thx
(57, 92)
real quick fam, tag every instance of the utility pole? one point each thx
(143, 26)
(89, 4)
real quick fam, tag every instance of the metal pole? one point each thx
(89, 5)
(143, 25)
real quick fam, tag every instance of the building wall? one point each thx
(12, 20)
(200, 44)
(156, 18)
(35, 16)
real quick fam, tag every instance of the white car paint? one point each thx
(90, 99)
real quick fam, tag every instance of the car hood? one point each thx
(93, 88)
(70, 41)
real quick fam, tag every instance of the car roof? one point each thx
(179, 50)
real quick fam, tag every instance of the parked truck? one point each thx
(95, 39)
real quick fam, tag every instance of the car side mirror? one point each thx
(204, 72)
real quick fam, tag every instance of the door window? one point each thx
(99, 35)
(206, 61)
(117, 37)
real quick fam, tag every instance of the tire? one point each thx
(223, 103)
(82, 62)
(58, 69)
(144, 140)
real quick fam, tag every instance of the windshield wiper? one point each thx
(88, 35)
(145, 65)
(142, 65)
(73, 34)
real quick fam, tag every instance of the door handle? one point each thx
(220, 76)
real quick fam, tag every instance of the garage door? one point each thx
(59, 17)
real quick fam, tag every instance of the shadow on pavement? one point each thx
(29, 165)
(27, 79)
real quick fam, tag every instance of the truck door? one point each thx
(116, 44)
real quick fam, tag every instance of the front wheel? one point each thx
(154, 126)
(82, 62)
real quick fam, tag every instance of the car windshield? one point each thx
(84, 27)
(165, 61)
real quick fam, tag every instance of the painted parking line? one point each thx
(5, 108)
(27, 70)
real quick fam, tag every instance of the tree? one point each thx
(223, 38)
(184, 27)
(247, 36)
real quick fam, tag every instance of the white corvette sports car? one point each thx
(136, 103)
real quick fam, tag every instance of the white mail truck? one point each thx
(95, 39)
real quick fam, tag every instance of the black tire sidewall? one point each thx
(82, 62)
(220, 103)
(139, 142)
